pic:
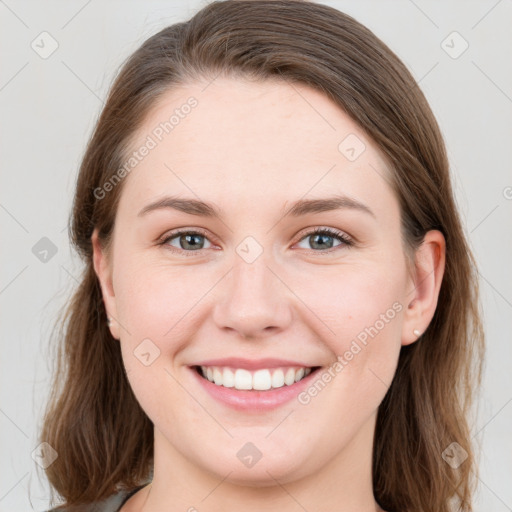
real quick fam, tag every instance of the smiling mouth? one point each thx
(259, 380)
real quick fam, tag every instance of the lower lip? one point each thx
(251, 400)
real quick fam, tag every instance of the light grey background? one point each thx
(49, 107)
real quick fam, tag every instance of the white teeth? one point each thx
(260, 380)
(243, 379)
(289, 377)
(278, 379)
(217, 376)
(228, 378)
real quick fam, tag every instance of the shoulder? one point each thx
(111, 504)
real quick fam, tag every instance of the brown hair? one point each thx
(103, 437)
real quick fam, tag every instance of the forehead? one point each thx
(251, 140)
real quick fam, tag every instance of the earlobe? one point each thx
(426, 283)
(103, 271)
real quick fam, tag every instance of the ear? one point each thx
(103, 270)
(424, 286)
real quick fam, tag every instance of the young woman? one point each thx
(279, 309)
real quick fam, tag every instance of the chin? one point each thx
(263, 473)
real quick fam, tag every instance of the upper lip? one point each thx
(252, 364)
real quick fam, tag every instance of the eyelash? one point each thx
(342, 237)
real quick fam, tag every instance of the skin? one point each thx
(252, 149)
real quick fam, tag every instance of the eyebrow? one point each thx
(297, 209)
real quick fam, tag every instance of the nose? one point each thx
(253, 301)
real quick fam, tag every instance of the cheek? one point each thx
(354, 303)
(157, 305)
(360, 315)
(156, 300)
(364, 311)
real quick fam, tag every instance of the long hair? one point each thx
(103, 438)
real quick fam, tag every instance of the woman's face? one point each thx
(256, 282)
